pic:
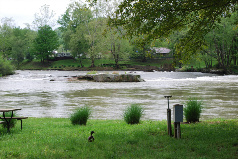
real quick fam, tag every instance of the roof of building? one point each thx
(161, 50)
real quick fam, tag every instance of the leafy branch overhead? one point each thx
(161, 18)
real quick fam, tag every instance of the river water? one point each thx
(52, 94)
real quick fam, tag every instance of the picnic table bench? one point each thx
(8, 119)
(1, 122)
(18, 118)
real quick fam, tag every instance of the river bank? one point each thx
(108, 65)
(58, 138)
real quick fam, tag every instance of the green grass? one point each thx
(58, 138)
(74, 64)
(34, 65)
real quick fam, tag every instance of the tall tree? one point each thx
(119, 48)
(22, 41)
(160, 18)
(45, 42)
(113, 36)
(5, 38)
(44, 17)
(222, 42)
(142, 45)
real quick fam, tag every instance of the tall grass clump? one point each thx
(192, 110)
(12, 122)
(133, 113)
(80, 116)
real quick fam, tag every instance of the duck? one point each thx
(91, 138)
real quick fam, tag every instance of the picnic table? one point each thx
(7, 120)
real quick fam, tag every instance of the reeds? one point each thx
(80, 116)
(192, 110)
(133, 113)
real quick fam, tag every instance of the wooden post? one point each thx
(177, 130)
(169, 117)
(169, 122)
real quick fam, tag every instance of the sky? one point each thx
(22, 11)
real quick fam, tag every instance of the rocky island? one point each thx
(111, 78)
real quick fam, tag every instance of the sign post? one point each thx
(169, 117)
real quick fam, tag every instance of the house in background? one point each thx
(160, 51)
(63, 55)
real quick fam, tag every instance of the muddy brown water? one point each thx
(51, 94)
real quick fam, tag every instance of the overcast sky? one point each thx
(22, 11)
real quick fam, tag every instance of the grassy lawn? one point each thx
(71, 63)
(58, 138)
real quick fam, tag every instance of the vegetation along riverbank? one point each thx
(125, 65)
(58, 138)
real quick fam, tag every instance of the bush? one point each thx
(12, 122)
(5, 67)
(80, 116)
(133, 113)
(192, 110)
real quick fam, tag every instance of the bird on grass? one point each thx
(91, 138)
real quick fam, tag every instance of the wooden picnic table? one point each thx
(8, 119)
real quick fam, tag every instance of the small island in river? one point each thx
(111, 78)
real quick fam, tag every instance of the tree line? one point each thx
(128, 29)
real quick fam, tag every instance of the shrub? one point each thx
(192, 110)
(80, 116)
(133, 113)
(5, 67)
(12, 122)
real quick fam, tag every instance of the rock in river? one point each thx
(112, 78)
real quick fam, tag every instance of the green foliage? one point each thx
(80, 116)
(22, 45)
(222, 43)
(192, 110)
(45, 42)
(12, 122)
(5, 39)
(159, 18)
(5, 67)
(133, 113)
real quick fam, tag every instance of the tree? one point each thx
(45, 17)
(142, 45)
(75, 16)
(18, 45)
(222, 42)
(119, 47)
(45, 42)
(160, 18)
(84, 31)
(5, 38)
(93, 35)
(113, 36)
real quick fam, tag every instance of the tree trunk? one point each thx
(92, 60)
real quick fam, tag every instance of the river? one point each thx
(51, 94)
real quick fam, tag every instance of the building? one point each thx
(160, 51)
